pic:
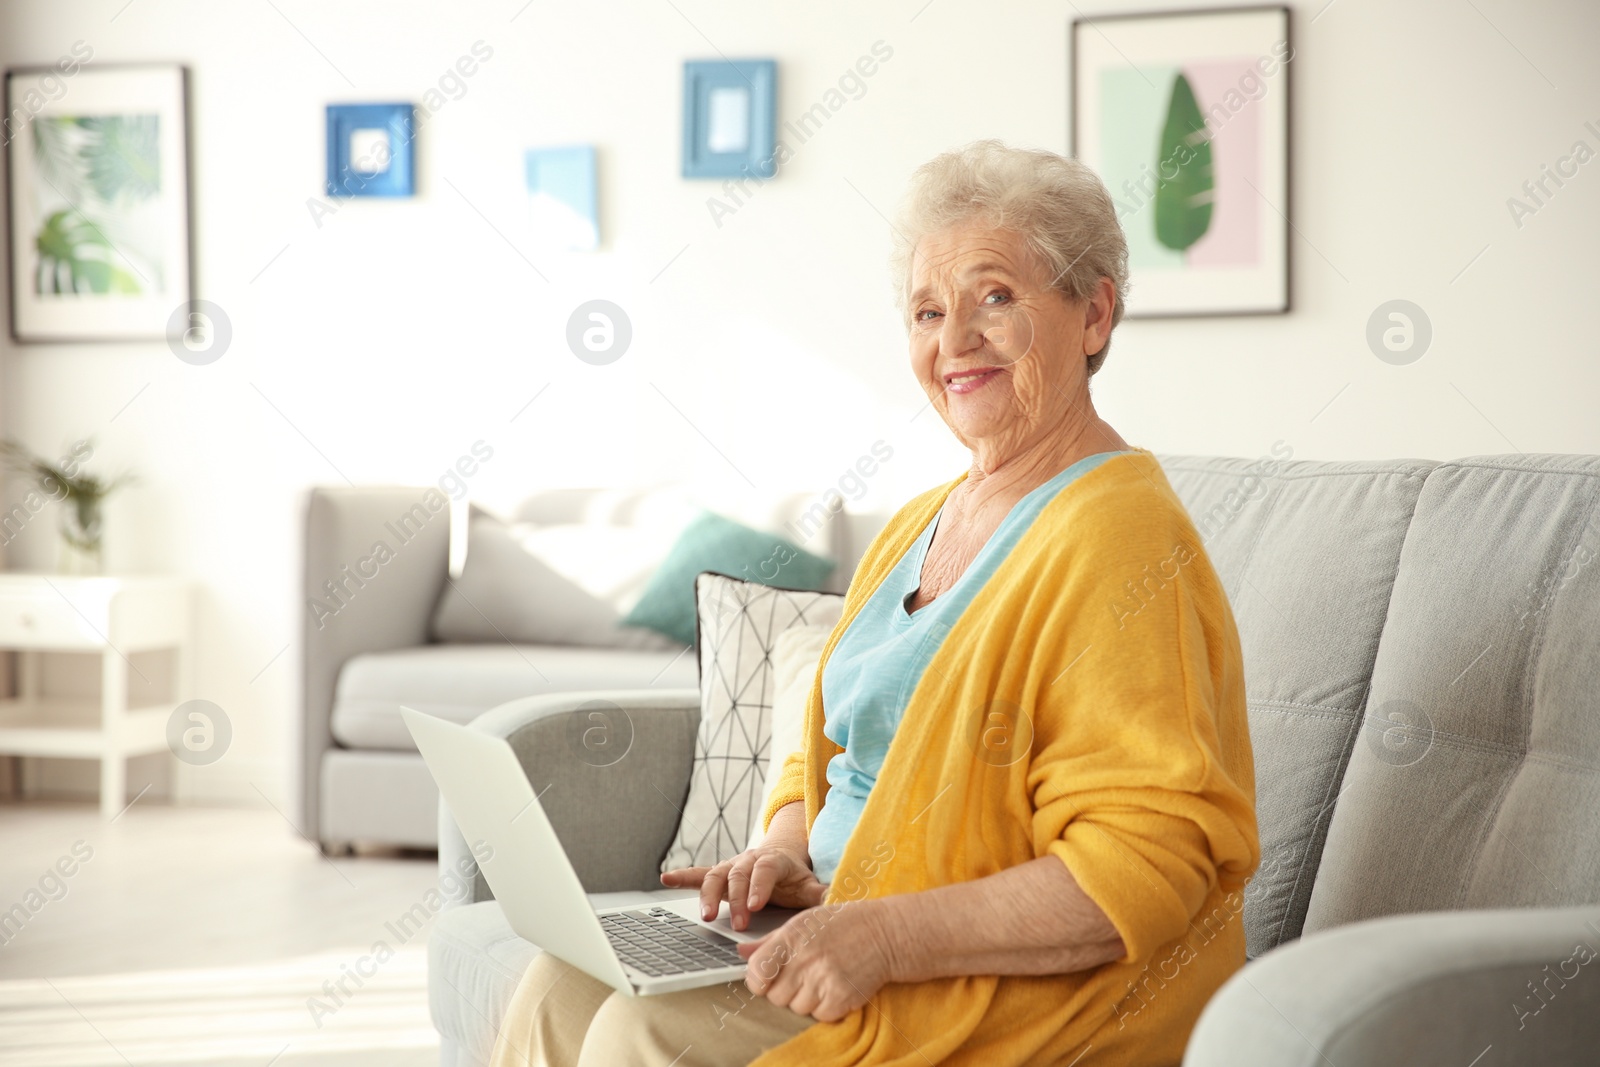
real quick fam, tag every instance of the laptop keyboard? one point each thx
(658, 942)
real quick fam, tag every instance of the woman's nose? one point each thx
(963, 332)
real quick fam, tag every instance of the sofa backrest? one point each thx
(809, 520)
(1476, 781)
(1308, 553)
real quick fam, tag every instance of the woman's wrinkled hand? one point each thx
(766, 874)
(825, 962)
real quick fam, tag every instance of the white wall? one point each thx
(379, 346)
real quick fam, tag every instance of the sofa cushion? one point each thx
(713, 542)
(739, 626)
(461, 682)
(1308, 553)
(812, 520)
(1477, 775)
(561, 584)
(475, 961)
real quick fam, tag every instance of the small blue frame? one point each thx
(399, 179)
(756, 77)
(561, 184)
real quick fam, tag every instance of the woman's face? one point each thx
(999, 351)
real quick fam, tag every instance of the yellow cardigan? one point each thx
(1089, 704)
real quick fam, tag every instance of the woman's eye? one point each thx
(925, 314)
(1004, 296)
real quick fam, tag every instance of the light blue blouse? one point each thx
(883, 654)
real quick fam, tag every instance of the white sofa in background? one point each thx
(367, 642)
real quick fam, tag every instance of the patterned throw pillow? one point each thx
(796, 655)
(739, 626)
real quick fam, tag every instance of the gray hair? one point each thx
(1057, 205)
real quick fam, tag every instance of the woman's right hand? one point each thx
(769, 873)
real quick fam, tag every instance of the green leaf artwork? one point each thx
(123, 153)
(75, 257)
(98, 205)
(1183, 201)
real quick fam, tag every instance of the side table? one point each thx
(116, 617)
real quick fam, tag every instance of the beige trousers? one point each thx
(561, 1017)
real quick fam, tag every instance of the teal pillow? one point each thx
(713, 543)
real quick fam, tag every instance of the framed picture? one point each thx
(98, 202)
(561, 197)
(730, 118)
(1185, 117)
(371, 150)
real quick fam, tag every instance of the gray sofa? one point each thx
(1422, 651)
(366, 646)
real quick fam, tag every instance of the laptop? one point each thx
(640, 950)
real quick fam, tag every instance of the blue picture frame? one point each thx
(360, 176)
(564, 206)
(730, 118)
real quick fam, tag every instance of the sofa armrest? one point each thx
(610, 768)
(1486, 988)
(355, 598)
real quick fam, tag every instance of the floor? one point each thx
(204, 936)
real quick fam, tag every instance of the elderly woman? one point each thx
(1024, 813)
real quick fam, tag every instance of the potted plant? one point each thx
(83, 494)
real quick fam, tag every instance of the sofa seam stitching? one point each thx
(1291, 707)
(1334, 782)
(1457, 465)
(1406, 472)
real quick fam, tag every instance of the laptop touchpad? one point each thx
(762, 922)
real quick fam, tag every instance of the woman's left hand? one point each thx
(824, 962)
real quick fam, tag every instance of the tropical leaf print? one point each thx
(75, 257)
(123, 153)
(1183, 200)
(98, 202)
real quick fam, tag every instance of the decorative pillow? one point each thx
(796, 655)
(714, 543)
(566, 584)
(740, 623)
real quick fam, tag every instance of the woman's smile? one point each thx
(970, 381)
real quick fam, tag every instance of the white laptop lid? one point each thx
(493, 801)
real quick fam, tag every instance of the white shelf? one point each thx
(64, 726)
